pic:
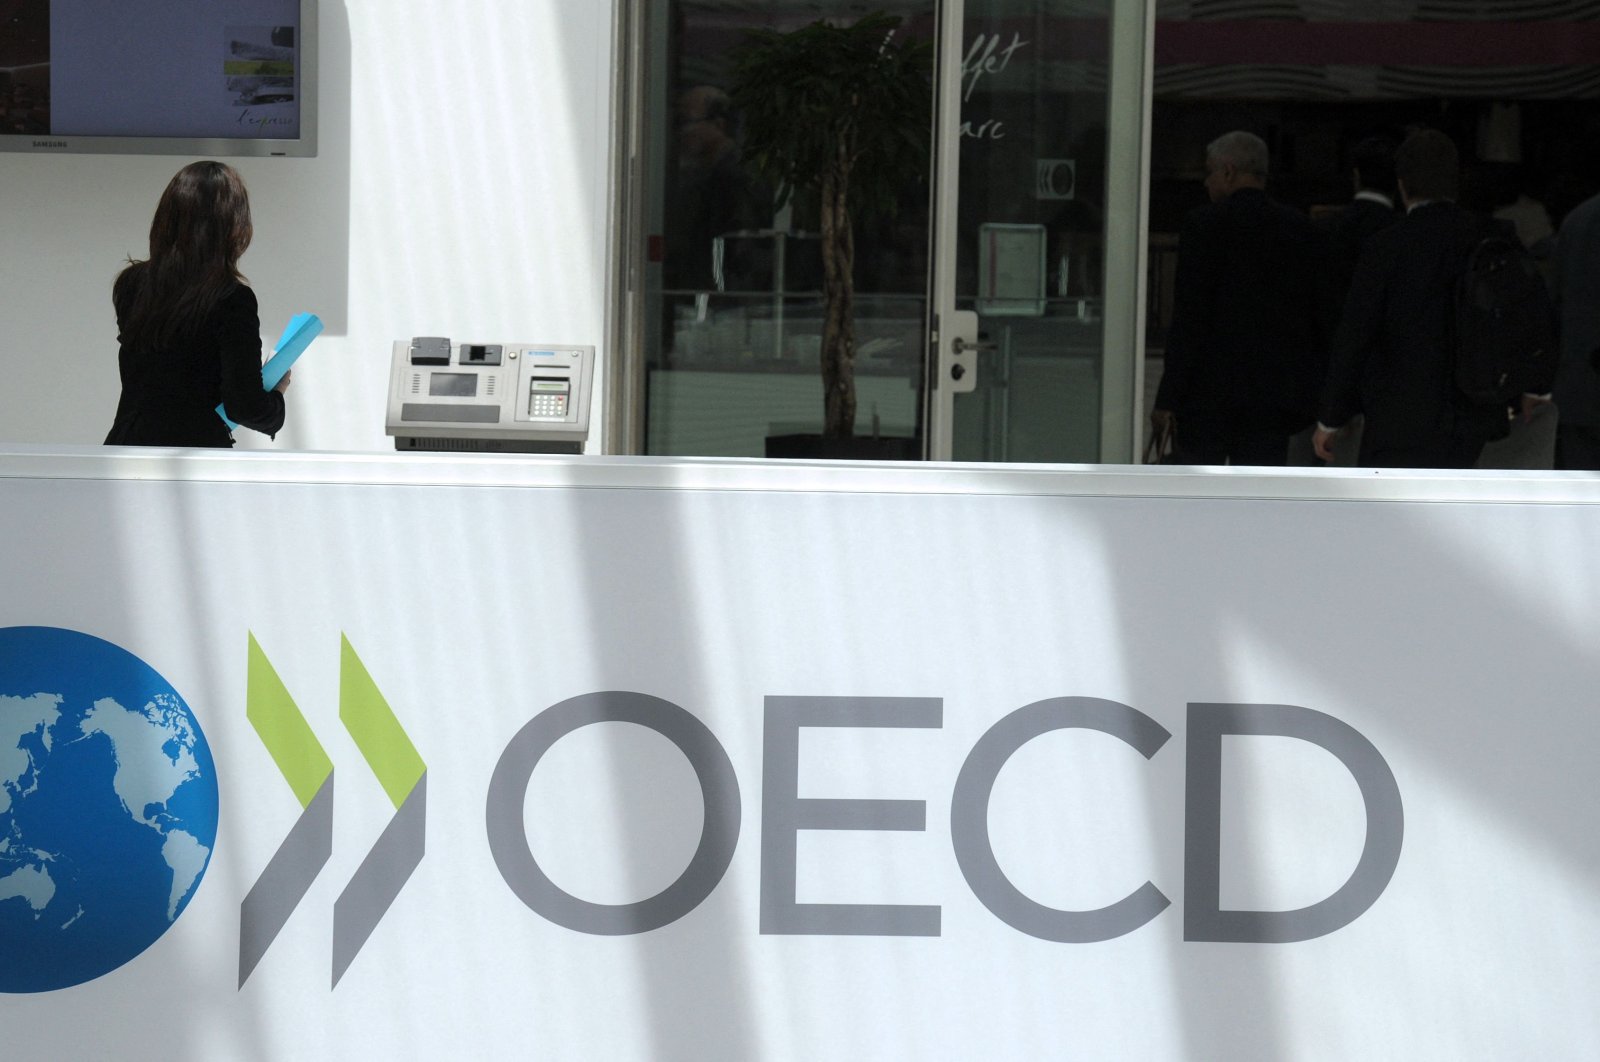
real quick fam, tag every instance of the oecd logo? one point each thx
(108, 807)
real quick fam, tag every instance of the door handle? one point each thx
(959, 359)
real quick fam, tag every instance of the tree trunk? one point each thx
(838, 291)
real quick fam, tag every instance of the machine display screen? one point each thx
(453, 384)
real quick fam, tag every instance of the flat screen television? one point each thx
(159, 77)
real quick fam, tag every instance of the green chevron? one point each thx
(283, 730)
(377, 733)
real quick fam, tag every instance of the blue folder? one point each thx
(303, 328)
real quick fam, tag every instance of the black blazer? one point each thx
(1250, 313)
(170, 397)
(1348, 231)
(1392, 356)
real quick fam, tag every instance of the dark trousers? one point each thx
(1447, 453)
(1578, 446)
(1234, 438)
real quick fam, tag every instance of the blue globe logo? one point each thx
(108, 807)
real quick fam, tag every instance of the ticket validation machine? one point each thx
(489, 397)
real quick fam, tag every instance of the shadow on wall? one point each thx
(300, 259)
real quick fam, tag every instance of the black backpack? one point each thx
(1505, 333)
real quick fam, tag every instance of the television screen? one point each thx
(214, 77)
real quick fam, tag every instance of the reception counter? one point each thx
(329, 756)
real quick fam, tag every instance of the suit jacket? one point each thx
(1250, 315)
(1348, 232)
(1393, 358)
(170, 396)
(1577, 272)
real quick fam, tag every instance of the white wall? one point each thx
(460, 190)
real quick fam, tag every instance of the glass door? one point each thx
(1043, 128)
(987, 288)
(735, 300)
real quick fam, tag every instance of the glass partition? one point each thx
(734, 286)
(1031, 227)
(733, 303)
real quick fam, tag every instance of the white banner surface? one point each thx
(309, 758)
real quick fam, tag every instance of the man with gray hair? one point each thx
(1247, 348)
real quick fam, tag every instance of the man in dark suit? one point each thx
(1577, 389)
(1392, 356)
(1369, 213)
(1248, 340)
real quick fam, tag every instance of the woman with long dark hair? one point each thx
(190, 338)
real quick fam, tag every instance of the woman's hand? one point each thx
(283, 384)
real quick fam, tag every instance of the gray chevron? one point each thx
(380, 878)
(281, 887)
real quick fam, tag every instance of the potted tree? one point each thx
(841, 114)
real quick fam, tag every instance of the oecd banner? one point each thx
(321, 757)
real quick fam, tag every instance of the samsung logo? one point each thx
(49, 143)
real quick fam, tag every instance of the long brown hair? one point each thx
(201, 227)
